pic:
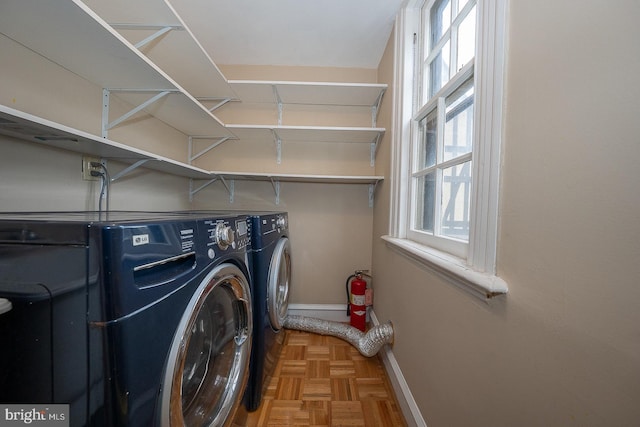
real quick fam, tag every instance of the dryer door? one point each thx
(279, 281)
(207, 367)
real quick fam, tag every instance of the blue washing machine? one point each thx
(139, 319)
(271, 274)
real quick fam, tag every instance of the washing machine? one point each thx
(271, 272)
(137, 319)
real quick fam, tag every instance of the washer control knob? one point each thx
(225, 236)
(281, 222)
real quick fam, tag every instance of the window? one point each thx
(447, 139)
(442, 145)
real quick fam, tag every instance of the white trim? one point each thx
(407, 403)
(489, 68)
(333, 312)
(406, 24)
(454, 269)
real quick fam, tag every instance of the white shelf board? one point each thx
(307, 133)
(35, 129)
(177, 52)
(70, 34)
(304, 178)
(309, 93)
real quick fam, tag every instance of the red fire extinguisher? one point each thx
(356, 307)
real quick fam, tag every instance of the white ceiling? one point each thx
(321, 33)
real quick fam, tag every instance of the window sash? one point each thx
(436, 103)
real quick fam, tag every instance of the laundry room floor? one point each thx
(324, 381)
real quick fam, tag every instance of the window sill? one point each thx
(451, 268)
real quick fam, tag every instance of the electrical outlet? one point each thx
(87, 168)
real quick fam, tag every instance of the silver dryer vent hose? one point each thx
(368, 344)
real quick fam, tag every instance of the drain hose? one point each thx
(368, 344)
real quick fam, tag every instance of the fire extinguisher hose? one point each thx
(346, 286)
(368, 344)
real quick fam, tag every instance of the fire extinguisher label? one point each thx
(357, 299)
(368, 297)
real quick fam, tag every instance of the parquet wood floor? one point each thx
(324, 381)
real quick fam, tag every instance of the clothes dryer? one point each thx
(138, 319)
(271, 274)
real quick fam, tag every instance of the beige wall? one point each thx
(563, 347)
(323, 217)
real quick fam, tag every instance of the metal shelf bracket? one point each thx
(229, 186)
(278, 140)
(375, 108)
(219, 102)
(374, 150)
(372, 191)
(128, 169)
(192, 139)
(193, 191)
(106, 94)
(161, 30)
(276, 188)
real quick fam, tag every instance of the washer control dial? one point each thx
(281, 222)
(225, 236)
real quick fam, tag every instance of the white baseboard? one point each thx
(334, 312)
(338, 313)
(408, 405)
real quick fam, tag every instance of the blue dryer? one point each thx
(271, 274)
(141, 319)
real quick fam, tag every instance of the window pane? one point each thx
(428, 140)
(438, 72)
(425, 202)
(467, 39)
(439, 20)
(456, 198)
(458, 127)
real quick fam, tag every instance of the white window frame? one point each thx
(477, 271)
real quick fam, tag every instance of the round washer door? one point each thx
(207, 367)
(279, 281)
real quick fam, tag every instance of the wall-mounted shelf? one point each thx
(72, 35)
(148, 57)
(35, 129)
(308, 93)
(278, 134)
(156, 30)
(228, 178)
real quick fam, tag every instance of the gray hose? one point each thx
(368, 344)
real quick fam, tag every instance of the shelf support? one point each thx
(218, 141)
(106, 93)
(278, 141)
(230, 187)
(162, 29)
(375, 108)
(220, 102)
(153, 36)
(129, 169)
(374, 150)
(279, 103)
(372, 191)
(193, 191)
(276, 188)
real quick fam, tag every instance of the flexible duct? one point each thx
(368, 344)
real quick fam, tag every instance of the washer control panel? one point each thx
(225, 233)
